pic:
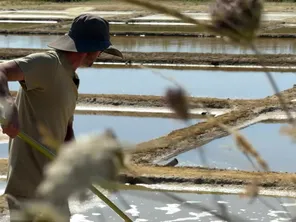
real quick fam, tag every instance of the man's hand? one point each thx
(11, 125)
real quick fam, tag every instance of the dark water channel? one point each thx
(163, 44)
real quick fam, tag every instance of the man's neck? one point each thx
(74, 59)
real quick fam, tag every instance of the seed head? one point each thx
(177, 101)
(237, 19)
(90, 159)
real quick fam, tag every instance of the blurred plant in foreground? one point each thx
(237, 19)
(90, 159)
(99, 158)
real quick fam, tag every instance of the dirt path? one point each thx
(191, 6)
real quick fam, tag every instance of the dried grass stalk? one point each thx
(244, 145)
(247, 148)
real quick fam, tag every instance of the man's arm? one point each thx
(35, 70)
(10, 71)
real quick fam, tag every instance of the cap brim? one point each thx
(66, 43)
(113, 51)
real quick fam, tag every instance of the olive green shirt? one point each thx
(47, 96)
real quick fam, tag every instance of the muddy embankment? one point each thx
(126, 25)
(143, 158)
(202, 133)
(149, 101)
(176, 58)
(205, 176)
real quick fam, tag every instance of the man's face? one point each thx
(90, 58)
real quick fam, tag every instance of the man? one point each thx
(47, 97)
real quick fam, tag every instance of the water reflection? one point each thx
(163, 44)
(276, 149)
(201, 83)
(131, 129)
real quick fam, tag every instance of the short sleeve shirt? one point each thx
(47, 96)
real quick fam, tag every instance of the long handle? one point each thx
(47, 152)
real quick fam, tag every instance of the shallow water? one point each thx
(201, 45)
(163, 44)
(131, 129)
(201, 83)
(276, 149)
(154, 206)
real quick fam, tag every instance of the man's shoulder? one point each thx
(42, 56)
(45, 61)
(39, 62)
(39, 58)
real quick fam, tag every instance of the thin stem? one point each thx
(274, 86)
